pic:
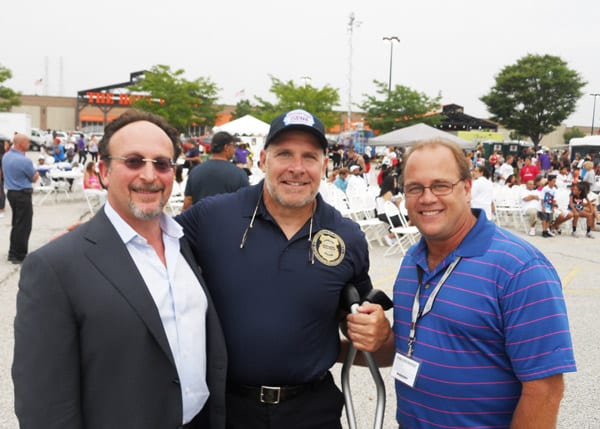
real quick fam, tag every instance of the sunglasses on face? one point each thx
(135, 162)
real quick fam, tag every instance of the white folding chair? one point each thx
(362, 211)
(507, 204)
(405, 235)
(335, 196)
(94, 198)
(44, 188)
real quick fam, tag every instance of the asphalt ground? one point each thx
(577, 261)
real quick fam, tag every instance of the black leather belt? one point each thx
(273, 395)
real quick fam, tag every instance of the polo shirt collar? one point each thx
(323, 217)
(474, 244)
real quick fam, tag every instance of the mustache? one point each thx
(147, 188)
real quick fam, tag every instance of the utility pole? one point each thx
(594, 111)
(391, 39)
(352, 23)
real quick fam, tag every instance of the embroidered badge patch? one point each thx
(328, 247)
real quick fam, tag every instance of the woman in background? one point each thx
(388, 193)
(91, 179)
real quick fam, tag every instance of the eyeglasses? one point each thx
(438, 189)
(135, 162)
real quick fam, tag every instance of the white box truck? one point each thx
(11, 122)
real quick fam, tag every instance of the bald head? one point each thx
(21, 142)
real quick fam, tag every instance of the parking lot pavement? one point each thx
(577, 261)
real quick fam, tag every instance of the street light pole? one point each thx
(352, 24)
(594, 111)
(391, 39)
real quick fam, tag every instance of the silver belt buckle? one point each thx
(270, 394)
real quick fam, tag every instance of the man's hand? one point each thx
(369, 329)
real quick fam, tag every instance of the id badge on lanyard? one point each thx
(405, 369)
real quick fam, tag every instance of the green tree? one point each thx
(243, 108)
(180, 101)
(8, 97)
(515, 136)
(572, 133)
(534, 95)
(399, 108)
(318, 101)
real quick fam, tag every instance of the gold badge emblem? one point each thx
(328, 247)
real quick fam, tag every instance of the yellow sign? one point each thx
(479, 136)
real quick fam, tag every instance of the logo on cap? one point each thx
(299, 117)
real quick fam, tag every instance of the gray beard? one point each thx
(142, 215)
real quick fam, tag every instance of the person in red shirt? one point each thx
(528, 171)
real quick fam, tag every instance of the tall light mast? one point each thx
(352, 23)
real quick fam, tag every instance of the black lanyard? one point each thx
(417, 313)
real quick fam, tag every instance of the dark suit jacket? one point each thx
(90, 348)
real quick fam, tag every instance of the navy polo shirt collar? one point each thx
(323, 218)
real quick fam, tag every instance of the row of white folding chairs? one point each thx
(358, 206)
(507, 206)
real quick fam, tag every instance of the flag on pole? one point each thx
(241, 93)
(38, 81)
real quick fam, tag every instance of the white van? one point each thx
(585, 145)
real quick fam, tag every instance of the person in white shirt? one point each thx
(356, 182)
(564, 178)
(530, 204)
(482, 191)
(506, 169)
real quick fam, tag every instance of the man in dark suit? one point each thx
(114, 325)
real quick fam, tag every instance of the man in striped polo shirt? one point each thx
(481, 335)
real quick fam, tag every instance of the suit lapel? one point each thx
(112, 259)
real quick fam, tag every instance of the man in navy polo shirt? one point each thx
(275, 257)
(19, 174)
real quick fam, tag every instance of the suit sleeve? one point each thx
(46, 366)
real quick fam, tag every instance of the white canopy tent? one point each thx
(410, 135)
(250, 130)
(245, 126)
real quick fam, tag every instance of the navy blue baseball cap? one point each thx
(300, 120)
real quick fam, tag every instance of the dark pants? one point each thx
(317, 408)
(22, 216)
(395, 220)
(2, 195)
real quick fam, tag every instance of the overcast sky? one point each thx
(450, 47)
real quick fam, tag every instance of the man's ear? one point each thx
(263, 159)
(104, 172)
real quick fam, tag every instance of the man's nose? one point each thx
(148, 171)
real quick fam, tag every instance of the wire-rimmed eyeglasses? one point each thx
(438, 189)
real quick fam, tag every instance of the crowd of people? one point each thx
(540, 178)
(227, 315)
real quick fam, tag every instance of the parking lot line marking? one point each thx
(385, 279)
(570, 276)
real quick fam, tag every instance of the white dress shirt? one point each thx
(180, 301)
